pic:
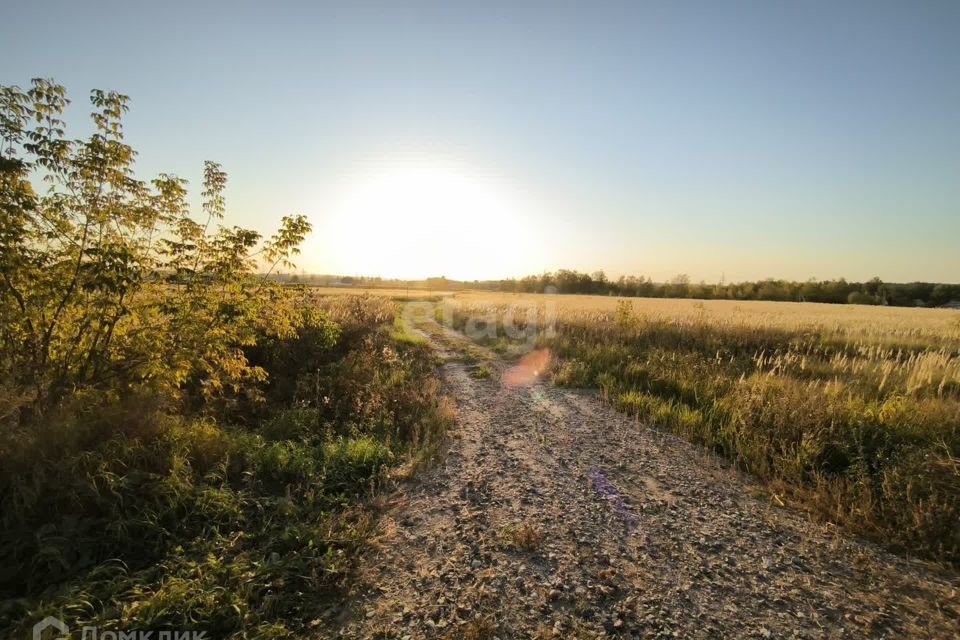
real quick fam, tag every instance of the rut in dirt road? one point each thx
(552, 515)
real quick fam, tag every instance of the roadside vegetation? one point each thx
(856, 419)
(184, 443)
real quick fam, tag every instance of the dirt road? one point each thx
(555, 516)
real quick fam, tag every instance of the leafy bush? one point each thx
(122, 514)
(107, 282)
(184, 444)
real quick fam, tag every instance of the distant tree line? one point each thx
(874, 291)
(840, 291)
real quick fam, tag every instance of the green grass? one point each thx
(131, 514)
(482, 370)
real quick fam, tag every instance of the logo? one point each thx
(47, 623)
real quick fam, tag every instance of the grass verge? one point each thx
(131, 513)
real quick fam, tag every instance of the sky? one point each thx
(735, 140)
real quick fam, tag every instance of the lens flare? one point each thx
(528, 370)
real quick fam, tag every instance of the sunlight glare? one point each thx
(420, 220)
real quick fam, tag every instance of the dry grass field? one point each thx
(872, 322)
(389, 292)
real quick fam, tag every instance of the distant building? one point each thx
(953, 304)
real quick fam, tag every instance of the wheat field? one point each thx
(855, 320)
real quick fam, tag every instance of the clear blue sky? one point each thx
(750, 139)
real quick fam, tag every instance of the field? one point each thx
(387, 292)
(850, 412)
(869, 321)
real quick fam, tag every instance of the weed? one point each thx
(478, 628)
(523, 536)
(481, 371)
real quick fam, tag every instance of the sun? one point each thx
(414, 220)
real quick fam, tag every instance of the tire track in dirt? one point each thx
(552, 515)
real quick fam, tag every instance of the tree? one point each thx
(858, 297)
(678, 287)
(107, 282)
(944, 293)
(873, 287)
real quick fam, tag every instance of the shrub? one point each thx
(108, 283)
(122, 513)
(184, 443)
